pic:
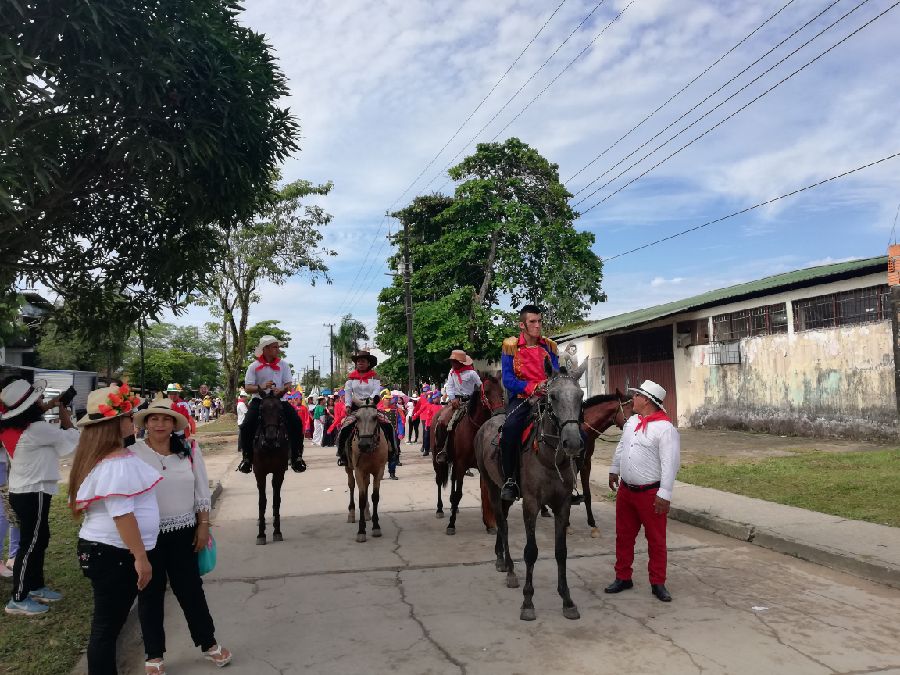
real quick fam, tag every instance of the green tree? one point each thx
(349, 337)
(126, 129)
(282, 242)
(58, 349)
(312, 378)
(258, 330)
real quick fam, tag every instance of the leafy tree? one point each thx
(126, 130)
(162, 366)
(348, 339)
(58, 349)
(258, 330)
(283, 242)
(312, 378)
(507, 234)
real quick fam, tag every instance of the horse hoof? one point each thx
(439, 514)
(277, 537)
(500, 566)
(451, 530)
(260, 541)
(571, 612)
(512, 581)
(595, 532)
(376, 532)
(351, 518)
(570, 529)
(527, 614)
(492, 530)
(360, 538)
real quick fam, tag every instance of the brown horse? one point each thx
(483, 403)
(271, 450)
(366, 461)
(547, 477)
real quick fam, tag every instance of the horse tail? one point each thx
(442, 473)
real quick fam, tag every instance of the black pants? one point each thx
(291, 420)
(33, 511)
(414, 431)
(114, 580)
(518, 414)
(174, 559)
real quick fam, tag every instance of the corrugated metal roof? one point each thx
(778, 282)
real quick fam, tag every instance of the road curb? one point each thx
(870, 570)
(130, 646)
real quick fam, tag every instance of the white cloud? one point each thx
(656, 282)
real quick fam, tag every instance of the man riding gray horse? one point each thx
(268, 374)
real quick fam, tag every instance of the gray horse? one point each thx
(547, 477)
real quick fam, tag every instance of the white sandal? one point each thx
(159, 667)
(218, 655)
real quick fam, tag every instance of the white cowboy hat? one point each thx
(173, 388)
(19, 395)
(161, 406)
(264, 342)
(461, 356)
(653, 391)
(109, 403)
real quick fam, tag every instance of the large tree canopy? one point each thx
(126, 128)
(506, 236)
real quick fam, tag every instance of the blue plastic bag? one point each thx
(206, 558)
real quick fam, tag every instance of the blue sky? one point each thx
(379, 87)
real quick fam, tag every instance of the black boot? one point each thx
(510, 491)
(297, 463)
(246, 465)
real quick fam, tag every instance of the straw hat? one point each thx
(108, 403)
(264, 342)
(18, 396)
(461, 356)
(160, 406)
(653, 391)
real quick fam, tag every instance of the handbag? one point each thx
(206, 557)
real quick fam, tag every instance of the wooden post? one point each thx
(894, 283)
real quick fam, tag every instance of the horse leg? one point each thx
(529, 513)
(512, 581)
(277, 481)
(455, 499)
(586, 490)
(545, 512)
(570, 611)
(376, 486)
(440, 504)
(363, 485)
(487, 511)
(351, 510)
(261, 488)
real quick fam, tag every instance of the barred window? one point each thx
(861, 305)
(766, 320)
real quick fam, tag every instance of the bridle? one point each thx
(620, 411)
(359, 436)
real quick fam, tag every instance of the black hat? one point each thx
(364, 354)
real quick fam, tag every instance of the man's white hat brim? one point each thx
(659, 404)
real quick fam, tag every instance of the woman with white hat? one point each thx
(113, 488)
(184, 505)
(35, 447)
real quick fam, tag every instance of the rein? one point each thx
(621, 411)
(494, 410)
(560, 425)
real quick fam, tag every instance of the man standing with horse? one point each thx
(462, 382)
(524, 376)
(647, 459)
(268, 374)
(363, 383)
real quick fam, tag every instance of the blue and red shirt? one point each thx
(523, 366)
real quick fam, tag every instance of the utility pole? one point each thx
(407, 292)
(331, 352)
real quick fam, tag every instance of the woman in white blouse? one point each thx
(184, 504)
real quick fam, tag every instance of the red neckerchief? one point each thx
(10, 439)
(263, 363)
(363, 377)
(458, 370)
(653, 417)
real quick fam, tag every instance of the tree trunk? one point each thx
(485, 283)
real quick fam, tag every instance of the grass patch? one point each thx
(225, 425)
(53, 643)
(857, 485)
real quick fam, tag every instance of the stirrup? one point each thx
(245, 466)
(158, 666)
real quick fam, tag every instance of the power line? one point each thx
(720, 104)
(743, 107)
(685, 87)
(751, 208)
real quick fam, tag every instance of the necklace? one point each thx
(159, 457)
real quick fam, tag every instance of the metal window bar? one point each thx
(848, 308)
(724, 353)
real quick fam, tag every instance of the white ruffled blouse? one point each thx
(185, 490)
(117, 486)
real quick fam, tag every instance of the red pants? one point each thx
(634, 509)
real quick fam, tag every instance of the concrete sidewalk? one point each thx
(863, 549)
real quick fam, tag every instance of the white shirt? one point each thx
(470, 382)
(185, 490)
(35, 464)
(241, 412)
(371, 389)
(642, 458)
(281, 377)
(117, 486)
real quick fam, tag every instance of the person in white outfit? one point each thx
(462, 381)
(362, 384)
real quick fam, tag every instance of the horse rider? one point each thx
(462, 382)
(269, 374)
(642, 474)
(524, 377)
(363, 383)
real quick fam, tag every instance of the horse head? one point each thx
(564, 396)
(489, 397)
(366, 424)
(626, 409)
(270, 418)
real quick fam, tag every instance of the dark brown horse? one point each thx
(483, 403)
(366, 459)
(547, 475)
(271, 450)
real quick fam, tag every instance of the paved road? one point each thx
(419, 601)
